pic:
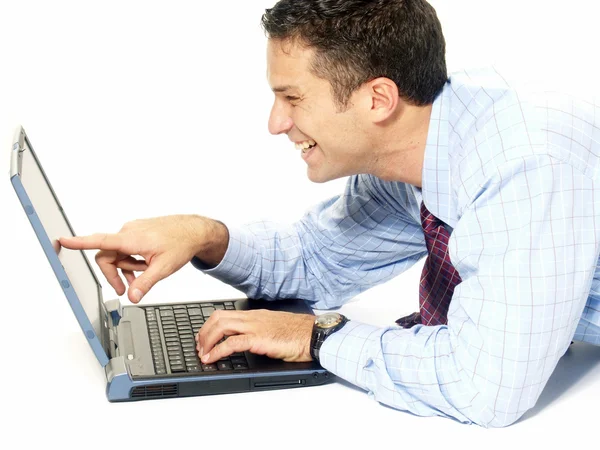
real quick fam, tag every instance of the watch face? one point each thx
(328, 320)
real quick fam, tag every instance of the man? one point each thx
(497, 187)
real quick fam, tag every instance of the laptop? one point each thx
(147, 351)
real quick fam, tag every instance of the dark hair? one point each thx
(358, 40)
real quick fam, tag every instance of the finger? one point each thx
(129, 276)
(106, 262)
(233, 344)
(212, 322)
(101, 241)
(132, 264)
(223, 327)
(156, 271)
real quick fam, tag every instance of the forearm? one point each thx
(340, 248)
(432, 371)
(265, 261)
(271, 262)
(406, 369)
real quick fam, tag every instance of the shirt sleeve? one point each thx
(526, 249)
(340, 248)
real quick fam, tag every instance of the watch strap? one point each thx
(320, 334)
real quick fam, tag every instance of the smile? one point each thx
(305, 146)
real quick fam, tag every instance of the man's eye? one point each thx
(291, 99)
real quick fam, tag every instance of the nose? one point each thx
(280, 120)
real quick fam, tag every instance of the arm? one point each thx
(526, 250)
(340, 248)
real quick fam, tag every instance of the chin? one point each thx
(317, 177)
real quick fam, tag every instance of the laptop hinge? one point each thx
(113, 308)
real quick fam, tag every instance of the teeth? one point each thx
(305, 144)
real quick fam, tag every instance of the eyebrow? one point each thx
(284, 88)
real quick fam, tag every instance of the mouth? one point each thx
(306, 146)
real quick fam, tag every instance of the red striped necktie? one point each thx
(438, 279)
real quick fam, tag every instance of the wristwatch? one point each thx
(324, 325)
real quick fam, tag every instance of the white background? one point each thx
(141, 109)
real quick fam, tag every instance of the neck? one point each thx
(400, 149)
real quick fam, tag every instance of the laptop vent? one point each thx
(155, 391)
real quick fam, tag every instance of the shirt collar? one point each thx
(436, 186)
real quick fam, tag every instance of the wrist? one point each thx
(324, 326)
(211, 240)
(297, 332)
(306, 340)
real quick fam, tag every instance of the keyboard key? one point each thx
(194, 312)
(209, 367)
(207, 311)
(224, 365)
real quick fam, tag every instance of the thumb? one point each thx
(155, 272)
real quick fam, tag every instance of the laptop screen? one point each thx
(55, 224)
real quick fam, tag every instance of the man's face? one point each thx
(329, 141)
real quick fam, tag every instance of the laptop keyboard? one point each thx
(179, 325)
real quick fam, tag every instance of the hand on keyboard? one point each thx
(277, 334)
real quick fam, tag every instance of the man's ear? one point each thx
(384, 99)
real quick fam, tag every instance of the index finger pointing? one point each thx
(100, 241)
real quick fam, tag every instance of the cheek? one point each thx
(332, 130)
(340, 134)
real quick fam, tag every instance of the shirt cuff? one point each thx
(350, 350)
(238, 261)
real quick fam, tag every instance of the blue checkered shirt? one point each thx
(514, 174)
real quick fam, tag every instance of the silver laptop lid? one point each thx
(71, 267)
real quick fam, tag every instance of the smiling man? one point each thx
(495, 186)
(371, 131)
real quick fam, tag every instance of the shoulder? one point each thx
(496, 121)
